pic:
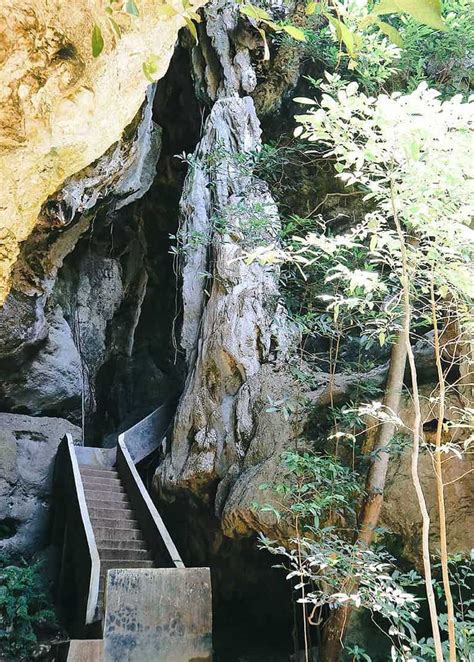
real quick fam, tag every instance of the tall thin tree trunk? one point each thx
(440, 485)
(335, 626)
(425, 537)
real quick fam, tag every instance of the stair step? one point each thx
(105, 493)
(119, 532)
(98, 473)
(112, 523)
(120, 543)
(114, 513)
(111, 564)
(107, 554)
(109, 500)
(103, 484)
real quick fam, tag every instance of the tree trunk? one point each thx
(335, 627)
(440, 485)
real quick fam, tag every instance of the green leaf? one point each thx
(150, 68)
(131, 8)
(294, 32)
(386, 7)
(192, 28)
(343, 33)
(115, 26)
(194, 16)
(266, 50)
(255, 12)
(391, 32)
(310, 8)
(97, 41)
(167, 11)
(427, 12)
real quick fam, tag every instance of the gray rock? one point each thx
(28, 447)
(22, 327)
(236, 334)
(123, 174)
(52, 379)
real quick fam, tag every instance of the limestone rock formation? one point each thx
(53, 329)
(235, 331)
(28, 447)
(401, 513)
(61, 107)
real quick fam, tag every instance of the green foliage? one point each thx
(426, 12)
(399, 52)
(410, 156)
(444, 59)
(97, 41)
(25, 606)
(318, 489)
(348, 24)
(317, 500)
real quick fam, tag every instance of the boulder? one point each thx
(400, 513)
(52, 379)
(27, 450)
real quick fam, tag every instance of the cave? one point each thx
(234, 310)
(141, 367)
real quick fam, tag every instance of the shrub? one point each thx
(25, 607)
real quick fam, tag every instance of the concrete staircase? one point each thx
(120, 541)
(123, 591)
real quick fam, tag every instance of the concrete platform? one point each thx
(159, 615)
(86, 650)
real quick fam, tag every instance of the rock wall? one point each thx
(54, 323)
(27, 450)
(235, 331)
(56, 97)
(401, 514)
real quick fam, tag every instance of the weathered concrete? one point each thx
(162, 615)
(86, 650)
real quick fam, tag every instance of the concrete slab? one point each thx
(86, 650)
(158, 615)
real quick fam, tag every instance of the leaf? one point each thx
(131, 8)
(194, 16)
(310, 8)
(115, 26)
(427, 12)
(308, 102)
(166, 10)
(150, 68)
(97, 41)
(255, 12)
(192, 28)
(266, 50)
(294, 32)
(391, 32)
(386, 7)
(343, 34)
